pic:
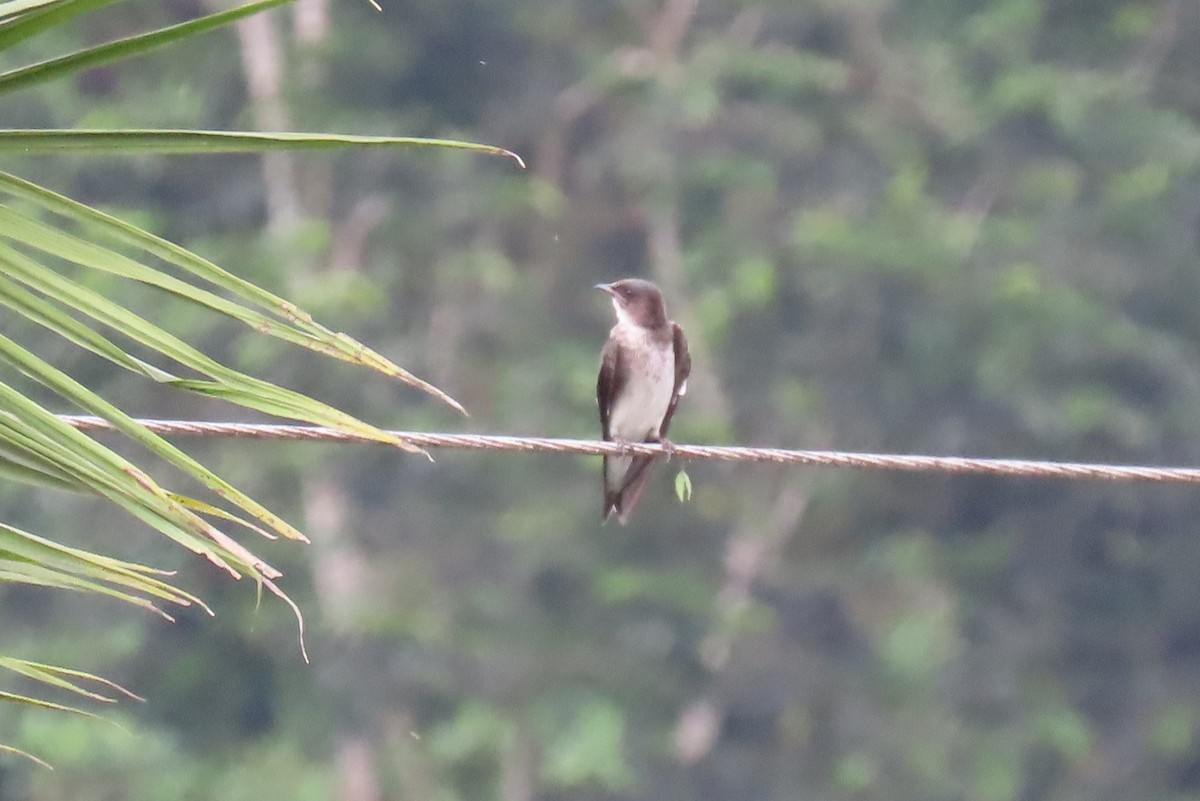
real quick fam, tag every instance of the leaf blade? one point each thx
(107, 53)
(197, 141)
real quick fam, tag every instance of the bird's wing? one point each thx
(683, 368)
(608, 383)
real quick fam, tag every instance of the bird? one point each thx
(644, 368)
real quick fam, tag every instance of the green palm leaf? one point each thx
(195, 142)
(109, 52)
(286, 322)
(62, 678)
(46, 239)
(22, 19)
(46, 562)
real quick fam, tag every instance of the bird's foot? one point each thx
(623, 444)
(667, 446)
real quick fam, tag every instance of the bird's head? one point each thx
(637, 302)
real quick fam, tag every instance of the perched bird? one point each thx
(643, 371)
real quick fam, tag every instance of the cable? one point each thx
(491, 442)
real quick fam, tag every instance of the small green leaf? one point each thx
(683, 486)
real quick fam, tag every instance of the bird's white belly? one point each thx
(642, 404)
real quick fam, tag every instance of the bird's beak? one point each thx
(607, 288)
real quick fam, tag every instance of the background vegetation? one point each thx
(943, 226)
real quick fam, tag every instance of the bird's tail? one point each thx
(624, 481)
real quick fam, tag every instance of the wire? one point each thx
(491, 442)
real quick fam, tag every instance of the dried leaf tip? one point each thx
(502, 151)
